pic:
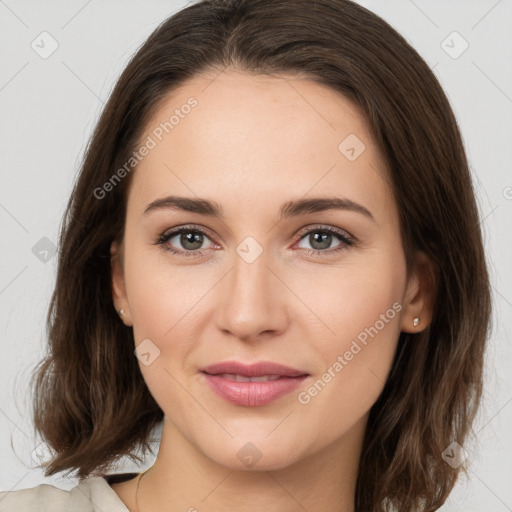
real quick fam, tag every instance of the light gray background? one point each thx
(48, 108)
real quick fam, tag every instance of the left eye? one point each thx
(191, 240)
(323, 238)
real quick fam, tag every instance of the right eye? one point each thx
(190, 238)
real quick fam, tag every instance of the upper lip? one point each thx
(252, 370)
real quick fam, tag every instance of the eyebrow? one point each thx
(293, 208)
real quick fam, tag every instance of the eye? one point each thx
(321, 238)
(190, 238)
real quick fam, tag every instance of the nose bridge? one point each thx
(253, 299)
(250, 273)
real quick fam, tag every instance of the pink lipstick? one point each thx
(252, 385)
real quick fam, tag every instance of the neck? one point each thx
(184, 478)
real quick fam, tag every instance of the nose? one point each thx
(252, 302)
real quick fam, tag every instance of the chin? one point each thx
(255, 453)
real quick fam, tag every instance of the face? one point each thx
(321, 290)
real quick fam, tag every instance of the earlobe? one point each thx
(118, 285)
(419, 296)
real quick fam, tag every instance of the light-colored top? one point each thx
(94, 494)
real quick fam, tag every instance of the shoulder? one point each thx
(92, 495)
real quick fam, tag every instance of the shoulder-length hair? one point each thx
(91, 404)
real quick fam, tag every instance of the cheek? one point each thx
(162, 294)
(343, 300)
(162, 300)
(164, 305)
(363, 307)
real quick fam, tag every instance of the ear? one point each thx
(419, 295)
(118, 285)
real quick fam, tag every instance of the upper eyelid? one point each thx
(169, 233)
(325, 227)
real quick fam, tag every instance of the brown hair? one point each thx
(91, 404)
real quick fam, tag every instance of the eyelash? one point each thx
(346, 239)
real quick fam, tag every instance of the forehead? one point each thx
(241, 136)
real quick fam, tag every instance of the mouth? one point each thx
(252, 385)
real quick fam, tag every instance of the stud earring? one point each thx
(121, 312)
(416, 321)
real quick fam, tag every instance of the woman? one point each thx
(273, 244)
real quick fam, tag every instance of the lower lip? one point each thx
(253, 394)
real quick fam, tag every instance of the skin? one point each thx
(251, 144)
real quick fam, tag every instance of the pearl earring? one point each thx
(121, 312)
(416, 321)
